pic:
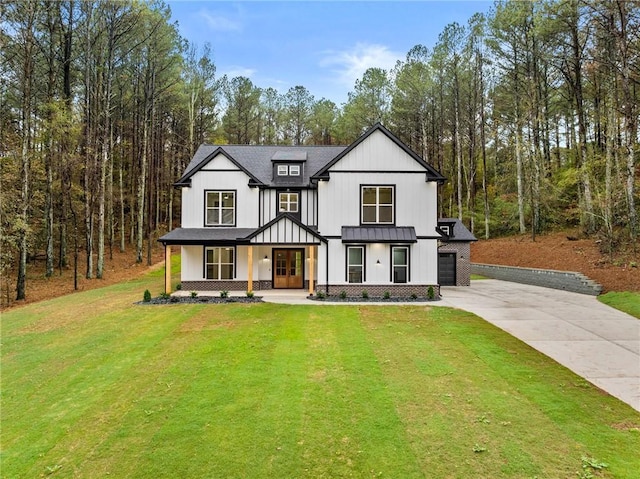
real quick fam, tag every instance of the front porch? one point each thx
(280, 254)
(278, 267)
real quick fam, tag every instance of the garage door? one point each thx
(447, 269)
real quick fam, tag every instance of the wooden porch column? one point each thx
(167, 269)
(250, 261)
(311, 268)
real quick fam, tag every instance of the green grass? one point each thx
(94, 386)
(626, 301)
(478, 277)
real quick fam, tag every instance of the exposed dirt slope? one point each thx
(122, 267)
(556, 251)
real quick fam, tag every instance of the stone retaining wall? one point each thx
(548, 278)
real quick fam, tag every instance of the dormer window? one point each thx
(446, 230)
(288, 170)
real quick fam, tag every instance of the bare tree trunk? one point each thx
(90, 154)
(630, 117)
(141, 194)
(458, 145)
(519, 178)
(25, 159)
(485, 194)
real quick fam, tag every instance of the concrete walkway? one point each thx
(595, 341)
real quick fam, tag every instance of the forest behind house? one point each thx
(531, 112)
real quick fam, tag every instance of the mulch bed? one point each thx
(201, 300)
(377, 299)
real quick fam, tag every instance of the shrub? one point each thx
(414, 296)
(431, 294)
(146, 297)
(178, 286)
(249, 294)
(365, 294)
(343, 294)
(224, 293)
(194, 294)
(320, 295)
(386, 295)
(164, 295)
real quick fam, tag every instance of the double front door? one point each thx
(288, 269)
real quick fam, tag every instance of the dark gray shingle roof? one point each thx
(460, 231)
(378, 234)
(185, 236)
(256, 160)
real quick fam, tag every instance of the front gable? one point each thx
(216, 160)
(379, 151)
(220, 162)
(285, 229)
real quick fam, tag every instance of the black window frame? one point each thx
(377, 205)
(364, 263)
(393, 265)
(219, 264)
(206, 209)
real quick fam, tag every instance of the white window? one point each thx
(400, 262)
(288, 202)
(219, 263)
(377, 205)
(294, 170)
(288, 170)
(220, 208)
(355, 264)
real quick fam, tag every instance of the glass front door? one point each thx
(288, 271)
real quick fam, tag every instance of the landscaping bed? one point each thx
(201, 299)
(370, 299)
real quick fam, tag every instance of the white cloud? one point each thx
(219, 23)
(237, 71)
(350, 65)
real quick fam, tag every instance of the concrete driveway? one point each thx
(597, 342)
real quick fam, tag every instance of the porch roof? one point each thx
(379, 234)
(207, 236)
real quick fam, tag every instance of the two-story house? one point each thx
(322, 218)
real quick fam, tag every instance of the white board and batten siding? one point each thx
(377, 161)
(222, 175)
(423, 258)
(307, 206)
(285, 231)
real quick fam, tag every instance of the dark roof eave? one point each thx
(454, 240)
(188, 242)
(182, 183)
(390, 241)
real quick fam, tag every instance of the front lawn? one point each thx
(95, 386)
(626, 301)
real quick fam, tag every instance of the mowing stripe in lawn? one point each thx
(93, 385)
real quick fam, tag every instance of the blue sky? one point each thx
(324, 46)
